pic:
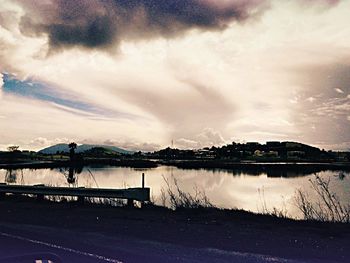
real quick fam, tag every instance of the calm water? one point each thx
(224, 188)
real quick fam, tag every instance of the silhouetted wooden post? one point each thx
(2, 194)
(143, 186)
(143, 180)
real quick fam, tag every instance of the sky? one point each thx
(141, 74)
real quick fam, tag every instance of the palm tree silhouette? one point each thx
(71, 178)
(72, 146)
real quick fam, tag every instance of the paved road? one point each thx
(91, 247)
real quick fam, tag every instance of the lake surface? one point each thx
(224, 188)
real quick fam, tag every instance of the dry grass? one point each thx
(328, 206)
(275, 212)
(180, 199)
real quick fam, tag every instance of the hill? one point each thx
(82, 148)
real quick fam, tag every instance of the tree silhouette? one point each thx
(71, 175)
(13, 148)
(72, 146)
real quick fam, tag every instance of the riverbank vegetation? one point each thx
(327, 206)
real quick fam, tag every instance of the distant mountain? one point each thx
(55, 148)
(81, 148)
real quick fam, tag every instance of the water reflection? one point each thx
(71, 174)
(224, 188)
(11, 176)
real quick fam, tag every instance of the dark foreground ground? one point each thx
(92, 233)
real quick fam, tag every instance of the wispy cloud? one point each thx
(68, 101)
(338, 90)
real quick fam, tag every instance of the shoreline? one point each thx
(273, 168)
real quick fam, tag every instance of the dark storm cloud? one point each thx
(101, 23)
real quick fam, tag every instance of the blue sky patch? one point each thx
(30, 88)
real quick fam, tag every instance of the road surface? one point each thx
(86, 247)
(98, 233)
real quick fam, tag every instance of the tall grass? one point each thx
(327, 206)
(180, 199)
(275, 212)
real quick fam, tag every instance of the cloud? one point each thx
(342, 146)
(185, 108)
(237, 81)
(41, 142)
(102, 24)
(93, 24)
(184, 143)
(134, 145)
(340, 91)
(318, 2)
(328, 113)
(333, 108)
(28, 119)
(206, 138)
(1, 84)
(311, 99)
(211, 137)
(50, 93)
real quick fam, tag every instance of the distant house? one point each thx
(205, 153)
(259, 153)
